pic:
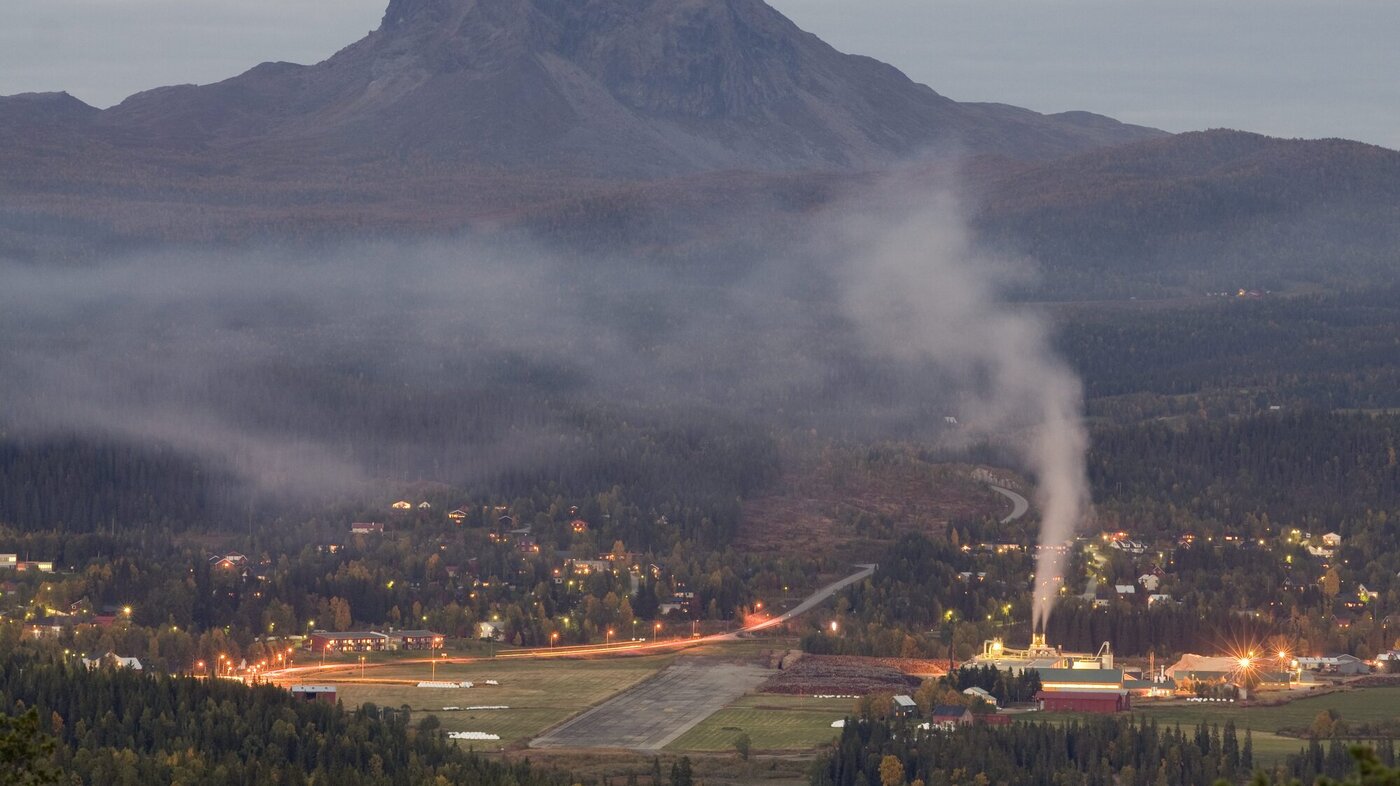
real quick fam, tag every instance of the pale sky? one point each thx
(1283, 67)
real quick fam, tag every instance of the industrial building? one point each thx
(1070, 681)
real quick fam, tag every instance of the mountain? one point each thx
(458, 112)
(630, 88)
(689, 127)
(1209, 210)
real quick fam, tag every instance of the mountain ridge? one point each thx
(644, 88)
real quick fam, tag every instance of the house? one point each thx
(905, 707)
(1366, 595)
(38, 567)
(457, 515)
(8, 560)
(1320, 552)
(579, 526)
(527, 545)
(113, 660)
(1154, 599)
(1331, 540)
(587, 567)
(44, 628)
(228, 561)
(424, 505)
(324, 693)
(402, 504)
(950, 716)
(1150, 582)
(982, 694)
(487, 631)
(367, 528)
(1105, 701)
(1128, 546)
(1125, 589)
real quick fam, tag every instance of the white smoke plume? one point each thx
(919, 290)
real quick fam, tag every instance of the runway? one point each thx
(649, 716)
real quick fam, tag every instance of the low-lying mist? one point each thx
(320, 373)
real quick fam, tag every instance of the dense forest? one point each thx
(1093, 752)
(1233, 355)
(117, 727)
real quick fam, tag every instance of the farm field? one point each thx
(773, 722)
(539, 694)
(1364, 704)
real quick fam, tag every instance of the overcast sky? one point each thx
(1284, 67)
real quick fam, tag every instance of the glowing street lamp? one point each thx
(655, 631)
(553, 639)
(609, 637)
(834, 626)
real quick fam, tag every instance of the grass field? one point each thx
(772, 722)
(538, 693)
(1368, 704)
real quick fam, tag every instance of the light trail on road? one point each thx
(294, 673)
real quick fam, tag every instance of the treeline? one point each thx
(1094, 752)
(1006, 686)
(117, 727)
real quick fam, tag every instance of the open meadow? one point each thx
(537, 693)
(773, 722)
(1265, 721)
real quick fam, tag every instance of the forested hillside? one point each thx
(117, 727)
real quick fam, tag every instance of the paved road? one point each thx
(1019, 504)
(649, 716)
(815, 599)
(308, 672)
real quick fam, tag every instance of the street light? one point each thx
(655, 631)
(834, 626)
(553, 638)
(609, 637)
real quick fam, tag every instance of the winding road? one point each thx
(1019, 504)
